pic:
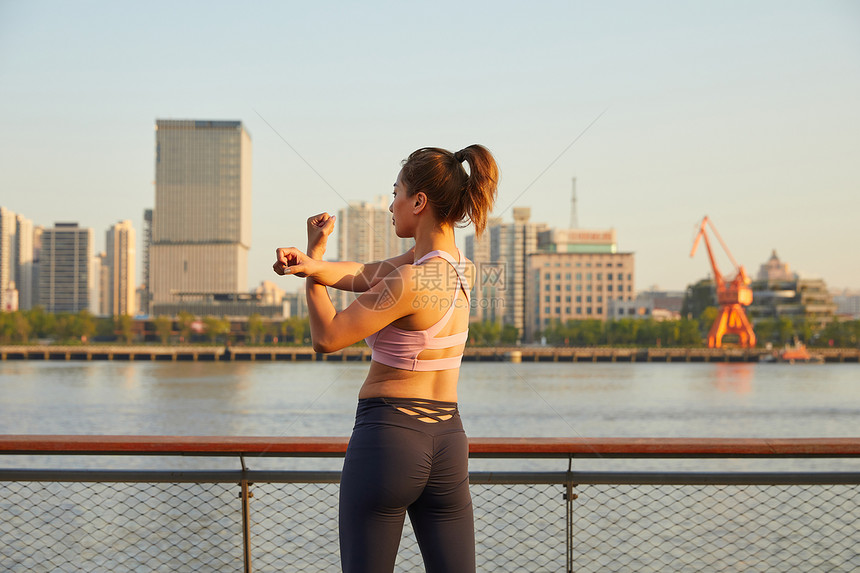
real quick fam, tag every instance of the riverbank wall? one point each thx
(362, 354)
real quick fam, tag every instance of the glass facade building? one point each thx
(201, 221)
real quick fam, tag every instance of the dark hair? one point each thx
(456, 196)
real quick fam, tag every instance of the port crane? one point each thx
(732, 296)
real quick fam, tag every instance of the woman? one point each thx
(408, 450)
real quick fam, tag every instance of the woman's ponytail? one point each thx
(457, 196)
(481, 186)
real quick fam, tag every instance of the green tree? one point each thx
(785, 330)
(688, 333)
(42, 324)
(707, 318)
(124, 325)
(215, 327)
(163, 328)
(256, 329)
(183, 325)
(14, 327)
(510, 334)
(85, 325)
(765, 331)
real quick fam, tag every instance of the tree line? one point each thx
(23, 327)
(27, 326)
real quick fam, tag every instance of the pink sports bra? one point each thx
(400, 348)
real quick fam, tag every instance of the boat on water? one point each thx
(793, 353)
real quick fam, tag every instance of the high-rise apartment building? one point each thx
(120, 255)
(38, 231)
(365, 233)
(201, 221)
(8, 256)
(501, 260)
(147, 244)
(65, 268)
(24, 261)
(489, 278)
(101, 272)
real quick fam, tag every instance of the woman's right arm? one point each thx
(350, 276)
(358, 277)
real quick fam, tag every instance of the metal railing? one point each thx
(549, 519)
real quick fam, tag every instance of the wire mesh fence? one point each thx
(539, 518)
(196, 527)
(650, 528)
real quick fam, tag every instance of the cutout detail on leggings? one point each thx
(426, 411)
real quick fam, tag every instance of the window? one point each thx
(588, 299)
(557, 287)
(546, 276)
(567, 310)
(558, 276)
(558, 299)
(546, 287)
(567, 276)
(578, 299)
(567, 288)
(579, 310)
(567, 298)
(621, 276)
(558, 310)
(579, 276)
(588, 276)
(609, 288)
(546, 298)
(600, 276)
(546, 310)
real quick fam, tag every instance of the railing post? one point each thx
(245, 495)
(569, 497)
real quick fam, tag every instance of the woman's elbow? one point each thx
(323, 346)
(319, 346)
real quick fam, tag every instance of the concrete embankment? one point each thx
(361, 353)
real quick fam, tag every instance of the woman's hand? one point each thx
(319, 228)
(291, 261)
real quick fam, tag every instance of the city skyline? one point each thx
(663, 112)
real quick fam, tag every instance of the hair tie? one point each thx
(460, 156)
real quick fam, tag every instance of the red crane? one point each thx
(732, 296)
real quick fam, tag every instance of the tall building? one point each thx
(501, 260)
(365, 233)
(120, 251)
(101, 299)
(8, 256)
(147, 244)
(489, 277)
(65, 268)
(201, 221)
(24, 261)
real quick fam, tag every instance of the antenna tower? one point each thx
(574, 220)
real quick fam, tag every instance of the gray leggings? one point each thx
(396, 463)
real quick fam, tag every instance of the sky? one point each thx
(664, 112)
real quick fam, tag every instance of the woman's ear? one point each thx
(419, 202)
